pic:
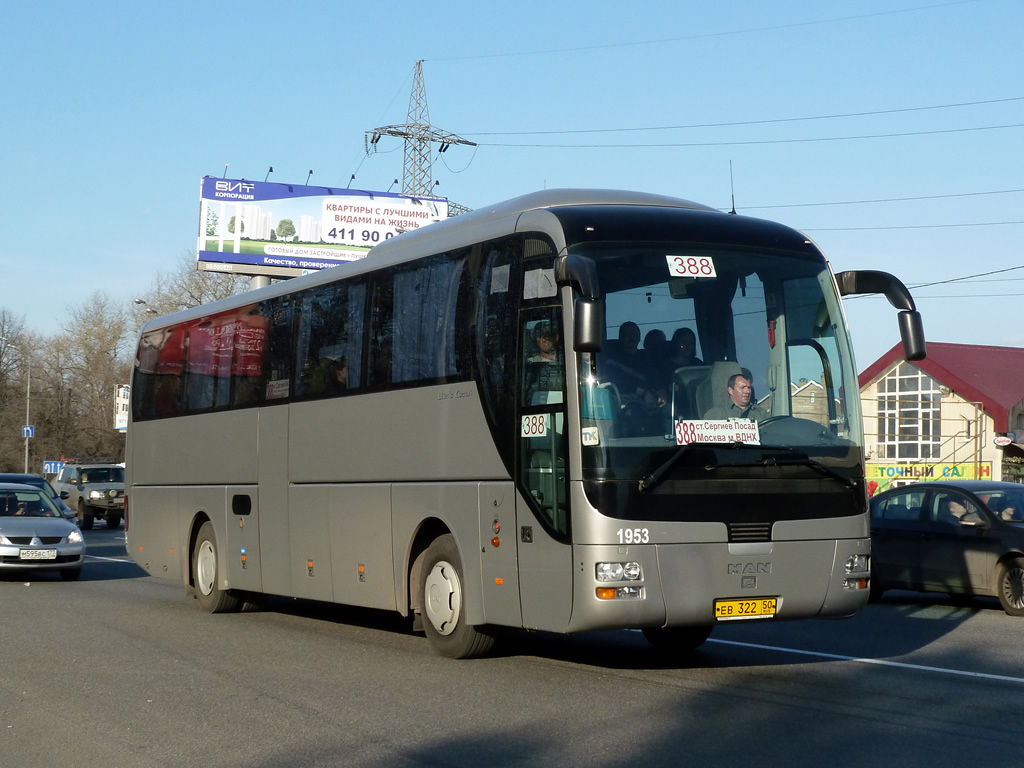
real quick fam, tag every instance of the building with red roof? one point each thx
(959, 413)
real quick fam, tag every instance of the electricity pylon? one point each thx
(419, 135)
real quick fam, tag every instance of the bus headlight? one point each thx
(856, 563)
(617, 571)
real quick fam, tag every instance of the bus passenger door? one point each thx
(243, 538)
(542, 512)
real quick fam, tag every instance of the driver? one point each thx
(740, 404)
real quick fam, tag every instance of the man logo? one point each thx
(748, 569)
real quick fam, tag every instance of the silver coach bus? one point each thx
(464, 427)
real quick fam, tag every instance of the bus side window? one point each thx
(329, 346)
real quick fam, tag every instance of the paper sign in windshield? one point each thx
(717, 431)
(690, 266)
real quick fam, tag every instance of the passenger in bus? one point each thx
(622, 362)
(546, 340)
(655, 365)
(544, 375)
(329, 377)
(683, 348)
(741, 405)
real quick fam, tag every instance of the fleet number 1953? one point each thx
(633, 535)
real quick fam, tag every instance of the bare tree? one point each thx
(97, 344)
(15, 354)
(185, 287)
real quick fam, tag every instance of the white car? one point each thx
(35, 535)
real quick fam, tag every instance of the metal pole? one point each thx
(28, 400)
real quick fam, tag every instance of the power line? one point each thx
(754, 142)
(882, 200)
(952, 280)
(966, 296)
(910, 226)
(739, 123)
(705, 35)
(967, 277)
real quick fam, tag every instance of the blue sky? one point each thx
(113, 111)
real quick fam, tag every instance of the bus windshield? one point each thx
(730, 355)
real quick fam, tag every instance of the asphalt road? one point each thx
(121, 670)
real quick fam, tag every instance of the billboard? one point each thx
(284, 230)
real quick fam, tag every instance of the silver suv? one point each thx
(93, 491)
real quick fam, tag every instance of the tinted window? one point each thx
(421, 322)
(329, 346)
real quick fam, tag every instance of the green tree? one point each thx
(211, 222)
(285, 229)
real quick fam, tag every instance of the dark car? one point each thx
(960, 537)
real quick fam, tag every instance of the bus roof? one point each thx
(477, 225)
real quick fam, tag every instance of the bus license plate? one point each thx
(737, 610)
(38, 554)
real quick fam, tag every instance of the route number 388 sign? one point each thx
(535, 425)
(691, 266)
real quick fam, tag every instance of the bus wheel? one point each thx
(1010, 586)
(676, 639)
(85, 515)
(444, 604)
(206, 572)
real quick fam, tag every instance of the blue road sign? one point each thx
(28, 431)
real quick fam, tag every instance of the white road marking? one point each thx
(878, 662)
(107, 559)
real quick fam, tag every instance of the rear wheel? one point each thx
(113, 520)
(676, 639)
(1010, 586)
(85, 515)
(444, 615)
(206, 575)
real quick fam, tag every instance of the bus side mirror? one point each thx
(588, 324)
(871, 281)
(912, 333)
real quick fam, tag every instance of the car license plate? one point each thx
(754, 608)
(38, 554)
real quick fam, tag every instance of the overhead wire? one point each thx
(705, 35)
(742, 123)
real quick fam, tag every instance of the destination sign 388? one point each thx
(717, 431)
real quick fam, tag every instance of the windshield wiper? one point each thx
(648, 482)
(801, 459)
(798, 459)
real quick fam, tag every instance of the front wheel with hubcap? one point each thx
(444, 616)
(1010, 586)
(206, 575)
